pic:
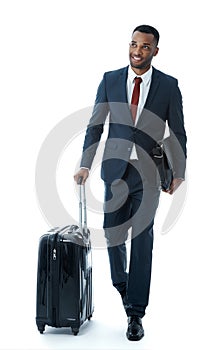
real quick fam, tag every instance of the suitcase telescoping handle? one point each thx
(82, 207)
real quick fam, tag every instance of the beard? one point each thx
(141, 65)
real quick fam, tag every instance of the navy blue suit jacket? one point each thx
(163, 104)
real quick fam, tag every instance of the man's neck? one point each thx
(139, 71)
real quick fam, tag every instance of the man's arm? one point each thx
(178, 138)
(93, 133)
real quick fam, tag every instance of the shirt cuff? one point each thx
(83, 167)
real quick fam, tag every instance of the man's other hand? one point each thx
(174, 185)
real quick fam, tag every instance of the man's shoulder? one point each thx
(162, 75)
(116, 72)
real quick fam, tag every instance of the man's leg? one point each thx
(116, 225)
(140, 272)
(131, 202)
(141, 249)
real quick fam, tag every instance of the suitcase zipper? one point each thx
(55, 281)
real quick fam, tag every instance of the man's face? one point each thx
(142, 49)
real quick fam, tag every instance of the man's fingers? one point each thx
(174, 185)
(81, 176)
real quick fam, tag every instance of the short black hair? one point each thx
(144, 28)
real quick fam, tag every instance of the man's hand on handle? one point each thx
(83, 173)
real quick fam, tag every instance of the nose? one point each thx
(137, 50)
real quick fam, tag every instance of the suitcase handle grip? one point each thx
(80, 179)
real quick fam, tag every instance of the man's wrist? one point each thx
(83, 167)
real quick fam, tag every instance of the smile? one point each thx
(135, 58)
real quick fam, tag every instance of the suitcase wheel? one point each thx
(75, 331)
(41, 328)
(89, 317)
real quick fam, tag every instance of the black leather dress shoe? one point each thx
(135, 329)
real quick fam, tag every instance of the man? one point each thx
(138, 110)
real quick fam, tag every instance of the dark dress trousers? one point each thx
(132, 187)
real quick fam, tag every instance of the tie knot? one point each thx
(138, 80)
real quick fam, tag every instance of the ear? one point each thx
(156, 51)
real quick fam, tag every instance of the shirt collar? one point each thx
(146, 77)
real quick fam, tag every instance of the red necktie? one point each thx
(135, 98)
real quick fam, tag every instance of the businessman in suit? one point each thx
(139, 101)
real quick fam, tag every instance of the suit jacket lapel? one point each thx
(152, 92)
(153, 88)
(124, 107)
(122, 85)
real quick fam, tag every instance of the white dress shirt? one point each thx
(144, 91)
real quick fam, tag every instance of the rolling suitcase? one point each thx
(64, 275)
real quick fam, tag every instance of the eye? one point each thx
(146, 47)
(132, 44)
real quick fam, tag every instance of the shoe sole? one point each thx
(134, 338)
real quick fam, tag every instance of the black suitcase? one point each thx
(64, 276)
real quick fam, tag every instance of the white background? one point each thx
(53, 55)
